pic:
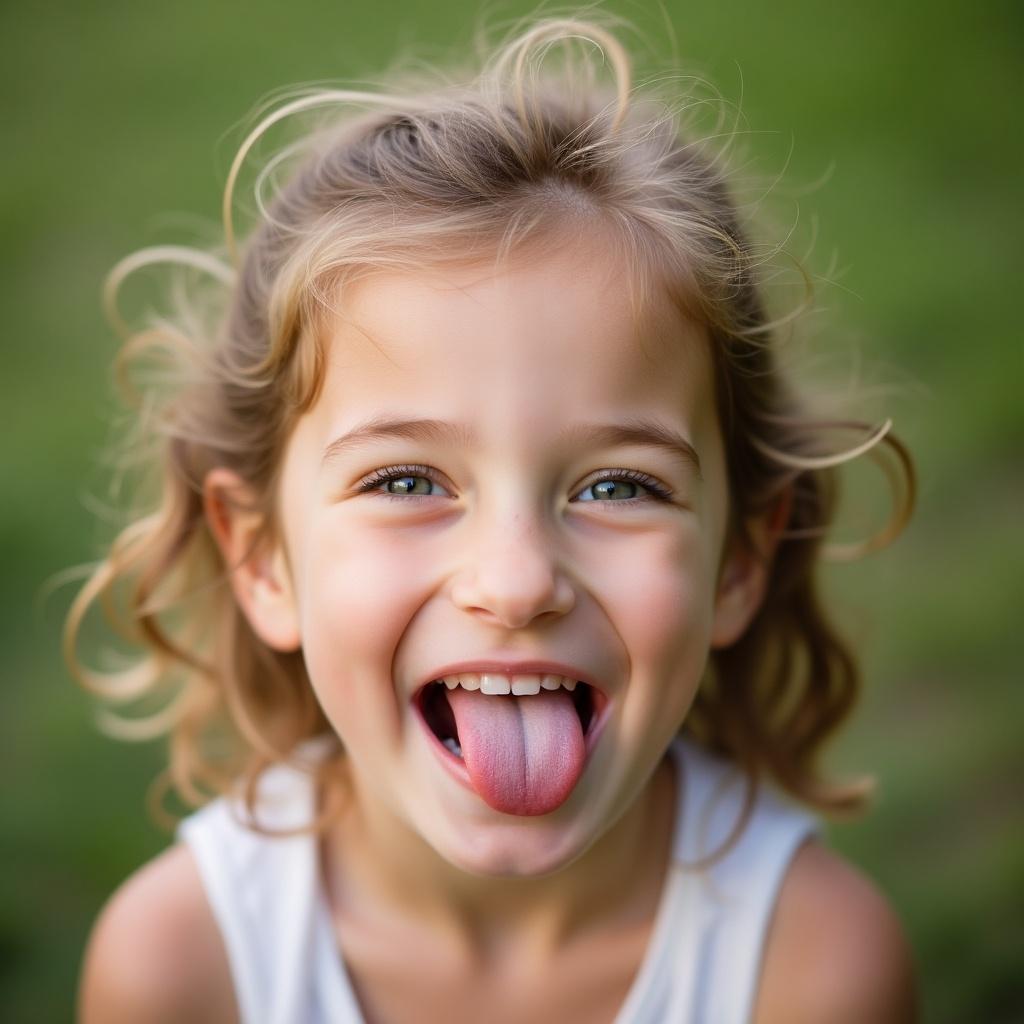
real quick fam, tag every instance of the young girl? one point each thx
(478, 585)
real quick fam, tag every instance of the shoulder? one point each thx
(155, 952)
(835, 950)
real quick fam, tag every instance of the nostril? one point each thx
(514, 589)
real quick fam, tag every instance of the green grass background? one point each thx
(116, 114)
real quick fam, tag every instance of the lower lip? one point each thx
(456, 767)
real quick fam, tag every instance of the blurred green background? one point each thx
(118, 114)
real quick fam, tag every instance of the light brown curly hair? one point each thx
(418, 175)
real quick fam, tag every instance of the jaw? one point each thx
(474, 838)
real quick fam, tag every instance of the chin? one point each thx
(520, 848)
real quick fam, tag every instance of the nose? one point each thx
(511, 577)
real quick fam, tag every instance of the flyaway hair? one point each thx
(549, 138)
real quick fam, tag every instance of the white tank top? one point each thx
(701, 966)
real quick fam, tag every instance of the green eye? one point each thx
(622, 486)
(610, 491)
(409, 485)
(402, 481)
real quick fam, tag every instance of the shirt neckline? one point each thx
(340, 996)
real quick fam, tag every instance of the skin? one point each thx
(507, 551)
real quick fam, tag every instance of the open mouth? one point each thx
(523, 758)
(437, 712)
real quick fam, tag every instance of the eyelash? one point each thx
(658, 491)
(382, 476)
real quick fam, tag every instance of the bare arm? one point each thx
(156, 954)
(835, 952)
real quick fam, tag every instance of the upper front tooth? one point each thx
(495, 684)
(525, 684)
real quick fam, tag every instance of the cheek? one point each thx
(663, 603)
(356, 599)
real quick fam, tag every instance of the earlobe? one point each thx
(740, 591)
(743, 579)
(257, 569)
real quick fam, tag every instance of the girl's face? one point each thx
(523, 523)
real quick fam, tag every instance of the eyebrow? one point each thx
(641, 432)
(635, 431)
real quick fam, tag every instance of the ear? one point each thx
(746, 568)
(257, 570)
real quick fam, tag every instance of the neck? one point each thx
(377, 870)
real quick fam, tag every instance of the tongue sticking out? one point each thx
(524, 754)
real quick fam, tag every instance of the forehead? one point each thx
(559, 332)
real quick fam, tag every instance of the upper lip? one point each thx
(508, 667)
